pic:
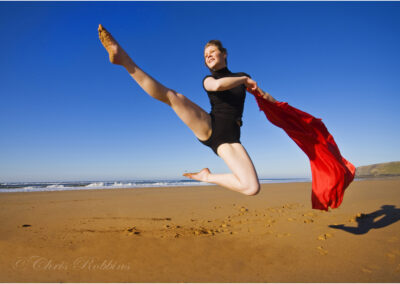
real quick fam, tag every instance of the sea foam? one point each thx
(88, 185)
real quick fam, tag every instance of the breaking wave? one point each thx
(88, 185)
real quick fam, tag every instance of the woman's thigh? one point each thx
(239, 162)
(191, 114)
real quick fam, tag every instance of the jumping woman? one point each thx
(219, 129)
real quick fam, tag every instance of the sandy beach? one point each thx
(201, 234)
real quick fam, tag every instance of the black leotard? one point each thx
(226, 111)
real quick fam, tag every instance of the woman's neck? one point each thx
(220, 71)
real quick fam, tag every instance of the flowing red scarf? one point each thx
(331, 173)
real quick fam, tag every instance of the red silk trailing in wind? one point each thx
(331, 173)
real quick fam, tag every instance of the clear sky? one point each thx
(68, 114)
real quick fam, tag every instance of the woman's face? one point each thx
(214, 58)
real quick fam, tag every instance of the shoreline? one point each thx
(52, 186)
(201, 234)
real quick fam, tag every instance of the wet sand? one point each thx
(201, 234)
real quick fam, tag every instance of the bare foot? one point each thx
(116, 53)
(200, 176)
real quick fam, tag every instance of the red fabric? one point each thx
(331, 173)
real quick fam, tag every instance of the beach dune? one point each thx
(201, 234)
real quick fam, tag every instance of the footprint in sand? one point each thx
(392, 255)
(369, 268)
(352, 220)
(243, 210)
(309, 217)
(322, 251)
(291, 206)
(358, 217)
(269, 222)
(203, 231)
(228, 219)
(224, 225)
(133, 231)
(161, 219)
(393, 240)
(310, 214)
(366, 270)
(324, 237)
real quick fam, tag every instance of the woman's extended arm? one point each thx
(266, 95)
(222, 84)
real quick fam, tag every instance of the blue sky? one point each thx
(68, 114)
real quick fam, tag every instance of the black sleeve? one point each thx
(244, 74)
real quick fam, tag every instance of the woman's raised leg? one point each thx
(191, 114)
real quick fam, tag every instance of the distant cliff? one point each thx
(379, 170)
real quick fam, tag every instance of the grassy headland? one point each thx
(390, 169)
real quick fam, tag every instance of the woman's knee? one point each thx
(252, 189)
(174, 98)
(170, 97)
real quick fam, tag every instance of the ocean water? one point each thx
(85, 185)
